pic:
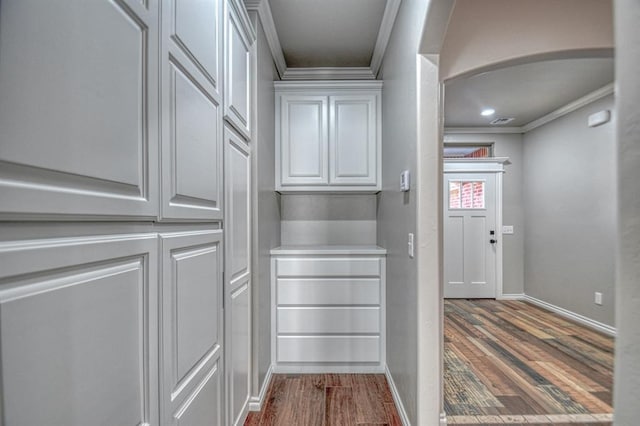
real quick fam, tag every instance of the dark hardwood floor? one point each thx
(510, 360)
(326, 400)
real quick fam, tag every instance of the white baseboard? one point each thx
(327, 369)
(396, 398)
(512, 296)
(255, 402)
(443, 419)
(596, 325)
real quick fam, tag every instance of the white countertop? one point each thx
(329, 249)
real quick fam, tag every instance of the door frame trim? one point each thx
(485, 165)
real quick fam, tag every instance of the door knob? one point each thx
(493, 241)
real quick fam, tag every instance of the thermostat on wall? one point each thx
(405, 181)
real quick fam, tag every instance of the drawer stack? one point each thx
(328, 309)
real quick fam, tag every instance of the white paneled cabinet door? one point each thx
(78, 331)
(353, 138)
(192, 327)
(78, 108)
(239, 38)
(237, 291)
(303, 149)
(191, 110)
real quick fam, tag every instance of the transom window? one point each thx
(466, 194)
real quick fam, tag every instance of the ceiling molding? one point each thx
(266, 18)
(329, 73)
(570, 107)
(384, 34)
(482, 130)
(327, 85)
(263, 8)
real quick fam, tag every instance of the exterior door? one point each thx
(470, 235)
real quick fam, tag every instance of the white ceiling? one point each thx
(327, 33)
(524, 92)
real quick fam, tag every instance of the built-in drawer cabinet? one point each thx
(328, 312)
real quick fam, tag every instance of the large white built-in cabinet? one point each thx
(328, 136)
(328, 309)
(125, 152)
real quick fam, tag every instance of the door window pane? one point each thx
(466, 194)
(454, 195)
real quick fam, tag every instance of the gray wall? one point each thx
(266, 206)
(507, 145)
(627, 373)
(397, 210)
(570, 224)
(328, 219)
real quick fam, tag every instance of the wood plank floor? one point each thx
(510, 360)
(326, 400)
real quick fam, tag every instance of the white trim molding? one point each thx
(570, 107)
(255, 402)
(512, 296)
(384, 34)
(596, 325)
(396, 398)
(350, 86)
(329, 73)
(263, 8)
(266, 18)
(481, 130)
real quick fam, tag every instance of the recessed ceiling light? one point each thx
(487, 112)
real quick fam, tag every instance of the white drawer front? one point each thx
(355, 291)
(328, 349)
(328, 320)
(347, 267)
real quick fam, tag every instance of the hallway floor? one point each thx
(512, 362)
(327, 400)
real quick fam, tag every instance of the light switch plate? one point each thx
(410, 246)
(405, 181)
(507, 229)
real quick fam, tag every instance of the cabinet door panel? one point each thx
(197, 31)
(192, 322)
(237, 275)
(239, 359)
(79, 121)
(191, 110)
(303, 140)
(353, 139)
(204, 405)
(237, 88)
(238, 201)
(78, 331)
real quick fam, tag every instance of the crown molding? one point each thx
(482, 130)
(329, 73)
(263, 9)
(570, 107)
(292, 85)
(384, 34)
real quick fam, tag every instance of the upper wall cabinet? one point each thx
(239, 38)
(328, 136)
(191, 110)
(78, 109)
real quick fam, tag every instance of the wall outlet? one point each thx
(410, 246)
(507, 229)
(598, 298)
